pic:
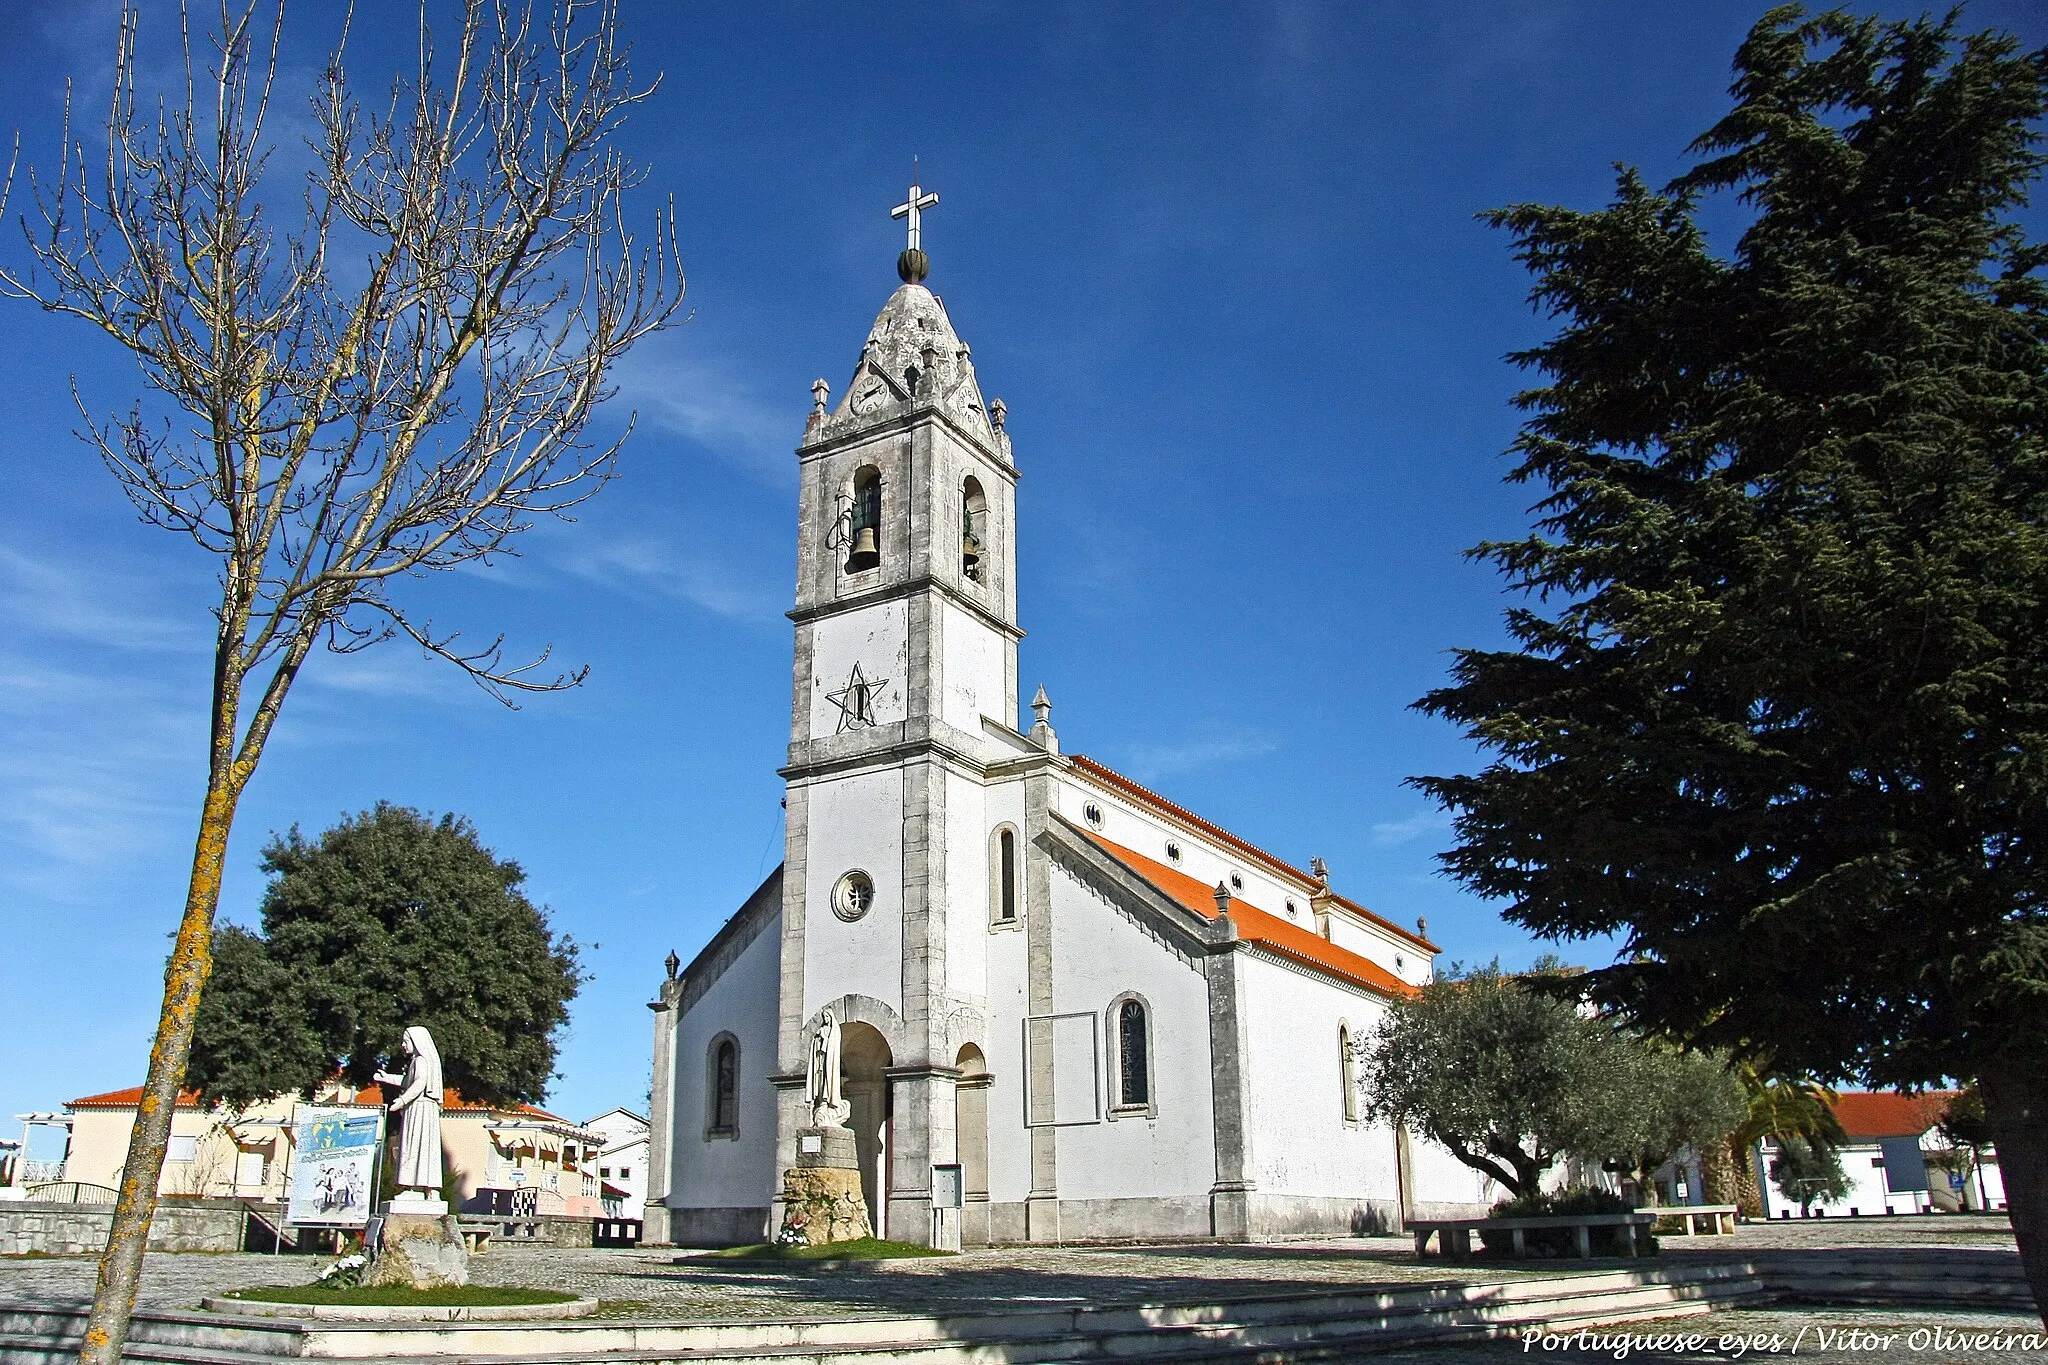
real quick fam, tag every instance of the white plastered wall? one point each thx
(973, 662)
(876, 638)
(1301, 1144)
(856, 822)
(1098, 955)
(722, 1173)
(1007, 981)
(967, 887)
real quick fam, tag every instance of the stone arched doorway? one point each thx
(863, 1066)
(970, 1118)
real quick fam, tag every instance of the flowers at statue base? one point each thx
(795, 1232)
(345, 1273)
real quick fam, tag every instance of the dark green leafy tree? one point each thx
(1777, 710)
(1507, 1078)
(390, 918)
(1808, 1172)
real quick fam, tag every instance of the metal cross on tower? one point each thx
(912, 208)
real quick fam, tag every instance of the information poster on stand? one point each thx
(334, 1170)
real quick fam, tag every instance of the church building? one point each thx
(1069, 1009)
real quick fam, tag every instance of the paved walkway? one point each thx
(646, 1282)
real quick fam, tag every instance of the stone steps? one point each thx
(1951, 1277)
(1302, 1325)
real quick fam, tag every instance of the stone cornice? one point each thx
(907, 587)
(906, 416)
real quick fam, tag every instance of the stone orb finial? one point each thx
(913, 265)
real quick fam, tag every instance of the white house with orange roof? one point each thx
(223, 1153)
(1115, 1019)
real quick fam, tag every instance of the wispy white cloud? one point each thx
(48, 597)
(709, 400)
(651, 565)
(91, 772)
(1209, 746)
(1394, 833)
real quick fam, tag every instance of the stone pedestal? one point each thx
(419, 1245)
(823, 1188)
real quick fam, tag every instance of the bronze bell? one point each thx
(866, 555)
(970, 556)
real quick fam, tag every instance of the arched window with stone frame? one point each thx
(864, 521)
(1133, 1079)
(974, 547)
(1347, 1071)
(1005, 878)
(722, 1088)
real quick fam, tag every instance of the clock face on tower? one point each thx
(868, 394)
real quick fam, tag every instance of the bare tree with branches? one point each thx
(400, 383)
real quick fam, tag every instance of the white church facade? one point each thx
(1084, 1010)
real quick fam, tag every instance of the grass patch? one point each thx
(402, 1296)
(623, 1308)
(41, 1255)
(860, 1249)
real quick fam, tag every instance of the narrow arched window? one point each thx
(725, 1088)
(864, 521)
(1134, 1079)
(1006, 855)
(973, 528)
(1347, 1072)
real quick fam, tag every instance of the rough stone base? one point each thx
(422, 1252)
(828, 1200)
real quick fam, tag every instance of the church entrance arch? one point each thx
(864, 1061)
(970, 1117)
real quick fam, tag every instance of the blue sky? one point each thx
(1221, 262)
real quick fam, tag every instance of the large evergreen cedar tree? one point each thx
(1776, 710)
(391, 918)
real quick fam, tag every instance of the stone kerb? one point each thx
(361, 1312)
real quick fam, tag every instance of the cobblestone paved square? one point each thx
(669, 1284)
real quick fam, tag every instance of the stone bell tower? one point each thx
(906, 638)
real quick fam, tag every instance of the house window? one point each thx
(853, 895)
(1131, 1087)
(723, 1108)
(604, 1173)
(864, 521)
(1005, 904)
(1347, 1072)
(182, 1148)
(973, 529)
(625, 1172)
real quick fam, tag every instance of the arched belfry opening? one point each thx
(973, 528)
(864, 524)
(864, 1062)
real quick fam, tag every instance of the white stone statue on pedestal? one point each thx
(828, 1110)
(417, 1107)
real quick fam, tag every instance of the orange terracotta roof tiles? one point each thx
(1883, 1114)
(1256, 925)
(370, 1094)
(128, 1099)
(1309, 885)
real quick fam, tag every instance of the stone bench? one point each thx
(1454, 1235)
(1723, 1216)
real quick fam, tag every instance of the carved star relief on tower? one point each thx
(856, 701)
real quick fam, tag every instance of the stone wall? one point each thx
(81, 1229)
